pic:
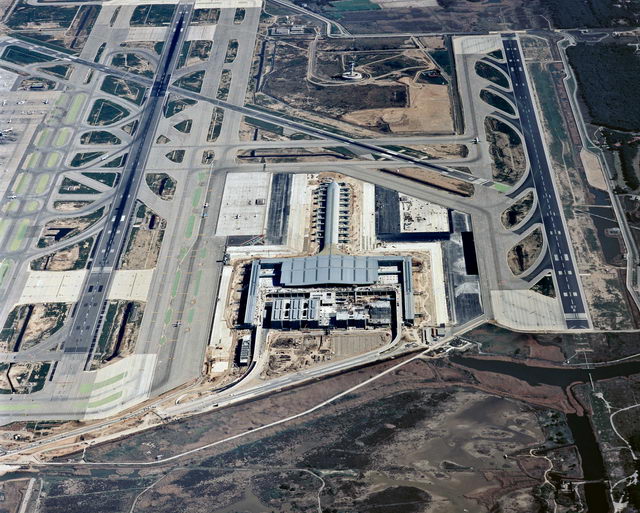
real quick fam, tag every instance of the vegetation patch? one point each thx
(176, 156)
(514, 215)
(497, 102)
(232, 51)
(354, 5)
(607, 76)
(161, 184)
(224, 85)
(545, 286)
(125, 89)
(70, 186)
(216, 124)
(26, 16)
(58, 230)
(152, 15)
(108, 179)
(99, 137)
(205, 16)
(80, 159)
(130, 128)
(119, 332)
(106, 112)
(59, 70)
(70, 205)
(239, 15)
(176, 104)
(523, 255)
(492, 74)
(145, 239)
(71, 258)
(24, 56)
(184, 126)
(506, 149)
(132, 63)
(27, 325)
(191, 81)
(119, 161)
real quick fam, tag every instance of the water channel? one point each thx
(593, 468)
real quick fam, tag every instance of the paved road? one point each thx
(567, 279)
(90, 309)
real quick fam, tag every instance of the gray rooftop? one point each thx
(329, 270)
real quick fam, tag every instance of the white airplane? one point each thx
(476, 140)
(13, 196)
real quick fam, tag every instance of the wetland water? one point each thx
(593, 468)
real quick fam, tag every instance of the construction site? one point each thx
(356, 269)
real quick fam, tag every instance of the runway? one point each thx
(90, 310)
(567, 280)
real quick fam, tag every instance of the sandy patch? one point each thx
(593, 169)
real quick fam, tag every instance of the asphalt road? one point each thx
(567, 280)
(92, 305)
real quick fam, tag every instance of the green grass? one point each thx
(43, 137)
(74, 109)
(354, 5)
(86, 388)
(197, 194)
(176, 283)
(62, 137)
(168, 314)
(21, 183)
(5, 265)
(12, 206)
(34, 158)
(106, 400)
(188, 232)
(501, 187)
(32, 206)
(19, 235)
(52, 160)
(41, 184)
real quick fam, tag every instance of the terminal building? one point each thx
(330, 290)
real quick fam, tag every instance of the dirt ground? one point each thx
(144, 243)
(435, 179)
(43, 319)
(70, 206)
(293, 351)
(428, 111)
(509, 161)
(64, 228)
(69, 258)
(399, 443)
(524, 254)
(517, 211)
